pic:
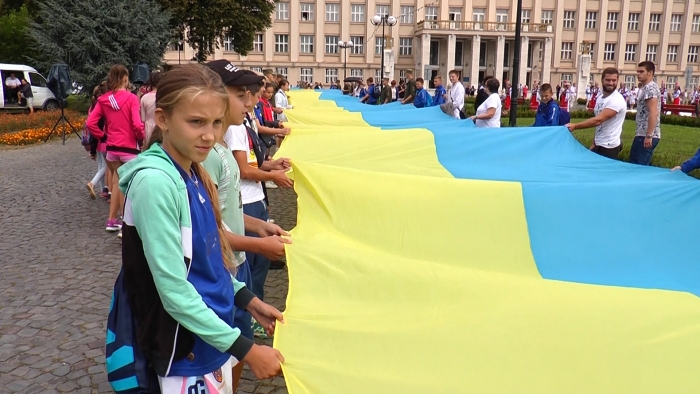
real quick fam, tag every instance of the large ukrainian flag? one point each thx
(435, 257)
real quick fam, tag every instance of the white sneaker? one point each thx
(270, 185)
(120, 234)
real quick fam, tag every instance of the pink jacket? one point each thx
(123, 121)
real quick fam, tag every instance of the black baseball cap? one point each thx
(232, 75)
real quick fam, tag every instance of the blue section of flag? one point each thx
(590, 219)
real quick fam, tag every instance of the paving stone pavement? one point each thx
(58, 268)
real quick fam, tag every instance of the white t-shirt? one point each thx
(236, 137)
(608, 133)
(493, 101)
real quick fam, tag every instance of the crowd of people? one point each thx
(609, 106)
(185, 164)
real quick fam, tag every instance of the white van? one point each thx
(43, 98)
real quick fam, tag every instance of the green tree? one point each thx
(15, 45)
(204, 24)
(92, 35)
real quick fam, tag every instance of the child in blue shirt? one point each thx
(440, 91)
(423, 98)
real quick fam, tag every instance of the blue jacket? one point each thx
(547, 114)
(372, 100)
(439, 95)
(423, 99)
(691, 164)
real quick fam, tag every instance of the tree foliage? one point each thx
(15, 46)
(92, 35)
(204, 24)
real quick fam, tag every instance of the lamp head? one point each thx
(377, 19)
(391, 20)
(341, 44)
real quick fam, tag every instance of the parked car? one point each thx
(43, 98)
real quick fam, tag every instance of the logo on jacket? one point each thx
(218, 376)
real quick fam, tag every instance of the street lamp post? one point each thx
(516, 64)
(383, 20)
(345, 45)
(179, 48)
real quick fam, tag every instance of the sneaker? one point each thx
(91, 190)
(112, 225)
(271, 185)
(118, 222)
(105, 193)
(259, 331)
(120, 234)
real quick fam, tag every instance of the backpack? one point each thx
(128, 370)
(564, 117)
(376, 92)
(85, 138)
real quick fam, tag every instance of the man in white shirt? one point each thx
(610, 110)
(281, 100)
(572, 96)
(13, 84)
(456, 94)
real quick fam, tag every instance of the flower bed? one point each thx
(35, 127)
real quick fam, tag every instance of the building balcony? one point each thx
(472, 28)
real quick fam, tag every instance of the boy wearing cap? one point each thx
(249, 235)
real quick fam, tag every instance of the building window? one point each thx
(479, 15)
(407, 14)
(358, 45)
(431, 13)
(258, 43)
(567, 50)
(671, 83)
(282, 43)
(256, 69)
(307, 74)
(609, 53)
(651, 53)
(281, 71)
(502, 16)
(307, 11)
(506, 54)
(567, 77)
(672, 55)
(331, 44)
(569, 19)
(306, 44)
(455, 14)
(633, 22)
(377, 76)
(654, 22)
(357, 13)
(612, 20)
(228, 44)
(631, 52)
(547, 16)
(525, 16)
(378, 45)
(693, 82)
(676, 20)
(693, 51)
(591, 47)
(630, 81)
(282, 11)
(459, 53)
(696, 24)
(591, 19)
(405, 46)
(483, 54)
(331, 75)
(382, 10)
(356, 72)
(332, 12)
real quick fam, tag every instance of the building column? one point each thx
(547, 62)
(319, 18)
(451, 49)
(269, 46)
(294, 44)
(500, 51)
(524, 53)
(424, 55)
(476, 49)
